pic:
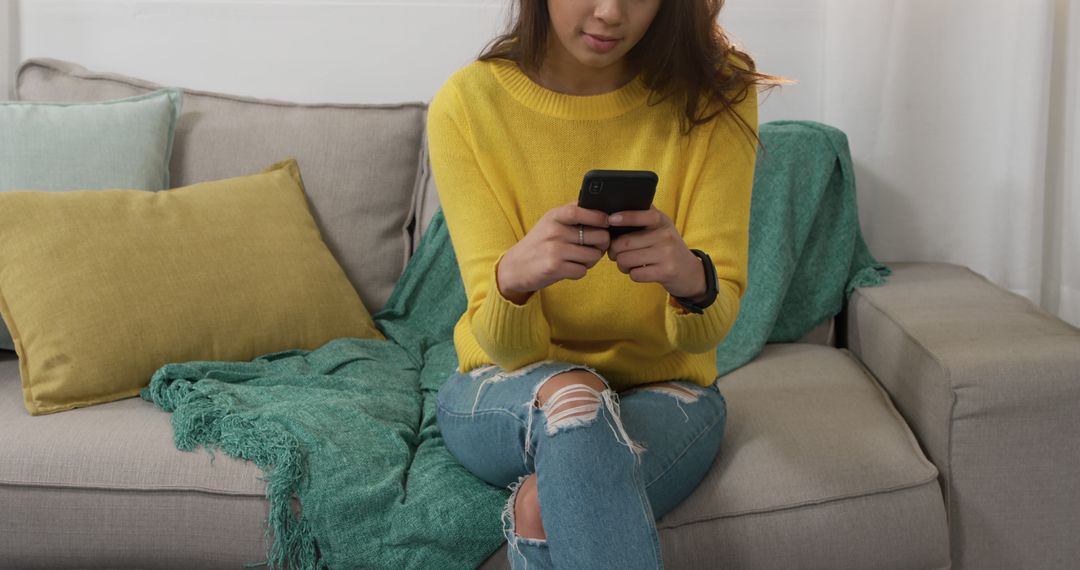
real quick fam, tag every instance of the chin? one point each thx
(597, 61)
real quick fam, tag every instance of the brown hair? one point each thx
(685, 53)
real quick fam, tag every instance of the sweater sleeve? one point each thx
(718, 223)
(511, 335)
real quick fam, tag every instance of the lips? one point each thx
(600, 44)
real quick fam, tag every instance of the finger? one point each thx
(634, 240)
(603, 242)
(645, 274)
(572, 215)
(571, 270)
(599, 215)
(583, 254)
(649, 218)
(595, 237)
(628, 260)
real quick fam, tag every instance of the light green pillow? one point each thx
(55, 146)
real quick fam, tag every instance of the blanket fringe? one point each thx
(211, 421)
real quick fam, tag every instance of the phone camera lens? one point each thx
(595, 186)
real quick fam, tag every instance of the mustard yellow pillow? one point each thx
(101, 288)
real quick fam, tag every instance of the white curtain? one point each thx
(963, 118)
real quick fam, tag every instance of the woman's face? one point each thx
(582, 26)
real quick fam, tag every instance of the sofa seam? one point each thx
(188, 489)
(149, 85)
(907, 333)
(948, 376)
(833, 499)
(411, 218)
(885, 399)
(947, 372)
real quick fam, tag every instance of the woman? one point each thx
(587, 385)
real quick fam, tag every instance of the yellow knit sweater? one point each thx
(505, 150)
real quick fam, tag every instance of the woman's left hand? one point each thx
(656, 253)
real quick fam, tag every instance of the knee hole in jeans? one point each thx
(569, 398)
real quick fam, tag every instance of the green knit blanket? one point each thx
(350, 429)
(807, 253)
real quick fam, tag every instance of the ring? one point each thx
(580, 234)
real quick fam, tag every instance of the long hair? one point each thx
(684, 54)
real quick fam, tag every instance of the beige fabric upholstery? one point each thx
(990, 383)
(817, 470)
(359, 162)
(806, 424)
(103, 486)
(824, 334)
(425, 195)
(842, 534)
(816, 463)
(64, 527)
(126, 444)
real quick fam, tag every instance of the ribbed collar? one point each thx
(574, 107)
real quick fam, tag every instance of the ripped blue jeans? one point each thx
(607, 464)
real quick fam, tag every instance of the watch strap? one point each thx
(711, 285)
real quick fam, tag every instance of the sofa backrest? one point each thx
(365, 167)
(359, 163)
(427, 197)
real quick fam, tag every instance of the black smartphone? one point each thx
(613, 191)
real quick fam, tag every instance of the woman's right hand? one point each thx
(550, 252)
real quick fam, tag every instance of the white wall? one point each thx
(785, 38)
(9, 47)
(354, 50)
(311, 51)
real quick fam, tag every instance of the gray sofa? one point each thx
(932, 424)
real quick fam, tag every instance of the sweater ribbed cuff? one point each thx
(695, 333)
(506, 325)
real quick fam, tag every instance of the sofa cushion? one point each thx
(98, 487)
(359, 161)
(123, 143)
(817, 470)
(123, 445)
(101, 288)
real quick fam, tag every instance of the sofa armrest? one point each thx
(990, 384)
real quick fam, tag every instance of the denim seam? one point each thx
(479, 413)
(684, 451)
(646, 507)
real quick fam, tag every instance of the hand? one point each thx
(550, 252)
(657, 254)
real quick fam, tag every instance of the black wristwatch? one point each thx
(711, 285)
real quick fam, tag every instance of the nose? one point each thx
(610, 11)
